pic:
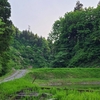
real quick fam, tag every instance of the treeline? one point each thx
(76, 38)
(29, 50)
(73, 42)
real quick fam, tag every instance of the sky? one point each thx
(40, 15)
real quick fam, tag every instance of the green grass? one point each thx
(66, 77)
(75, 95)
(8, 74)
(59, 78)
(67, 72)
(11, 87)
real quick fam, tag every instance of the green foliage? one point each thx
(70, 78)
(57, 73)
(2, 27)
(7, 89)
(25, 86)
(29, 50)
(5, 10)
(78, 6)
(5, 35)
(78, 39)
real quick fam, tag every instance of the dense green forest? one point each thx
(76, 38)
(29, 50)
(73, 42)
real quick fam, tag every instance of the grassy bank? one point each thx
(66, 72)
(7, 75)
(10, 88)
(71, 78)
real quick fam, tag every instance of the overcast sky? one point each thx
(41, 14)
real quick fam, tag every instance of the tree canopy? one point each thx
(78, 6)
(5, 34)
(28, 49)
(78, 39)
(73, 42)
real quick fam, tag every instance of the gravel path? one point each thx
(16, 75)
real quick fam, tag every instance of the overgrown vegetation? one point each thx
(10, 88)
(73, 42)
(5, 35)
(29, 50)
(38, 90)
(70, 78)
(76, 38)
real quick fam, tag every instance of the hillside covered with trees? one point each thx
(76, 38)
(73, 42)
(29, 50)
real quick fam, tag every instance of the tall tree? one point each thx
(78, 6)
(98, 3)
(5, 10)
(5, 37)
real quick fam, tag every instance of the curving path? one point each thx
(16, 75)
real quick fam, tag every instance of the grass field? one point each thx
(54, 84)
(70, 78)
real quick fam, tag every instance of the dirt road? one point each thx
(16, 75)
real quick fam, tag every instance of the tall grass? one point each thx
(75, 95)
(10, 88)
